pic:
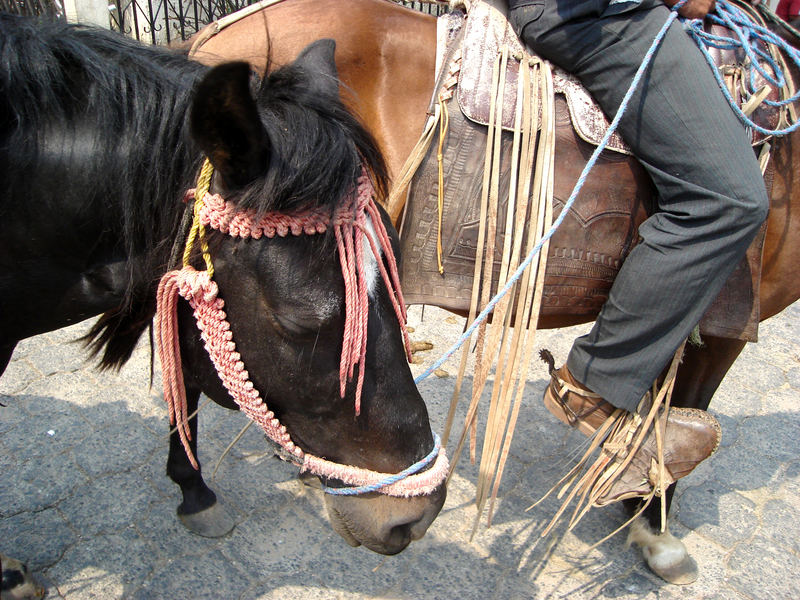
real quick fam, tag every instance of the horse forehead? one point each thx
(328, 304)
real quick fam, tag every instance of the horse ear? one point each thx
(317, 59)
(226, 125)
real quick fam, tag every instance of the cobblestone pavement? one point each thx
(85, 501)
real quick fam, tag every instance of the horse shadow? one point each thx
(85, 501)
(714, 510)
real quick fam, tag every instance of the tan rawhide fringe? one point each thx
(510, 349)
(528, 217)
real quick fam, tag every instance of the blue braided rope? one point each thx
(375, 487)
(752, 39)
(578, 185)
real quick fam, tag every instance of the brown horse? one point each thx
(386, 54)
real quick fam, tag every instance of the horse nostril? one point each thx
(399, 537)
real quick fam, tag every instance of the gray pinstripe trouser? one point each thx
(711, 196)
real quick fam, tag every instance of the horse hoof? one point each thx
(212, 522)
(682, 573)
(17, 582)
(665, 554)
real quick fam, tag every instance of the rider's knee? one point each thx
(747, 209)
(755, 208)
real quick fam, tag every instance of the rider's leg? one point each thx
(711, 201)
(711, 195)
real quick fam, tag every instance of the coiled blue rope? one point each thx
(753, 40)
(375, 487)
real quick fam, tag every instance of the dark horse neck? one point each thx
(103, 121)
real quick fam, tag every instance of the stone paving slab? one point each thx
(85, 501)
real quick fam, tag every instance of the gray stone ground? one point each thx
(84, 499)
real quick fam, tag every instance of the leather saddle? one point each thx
(588, 249)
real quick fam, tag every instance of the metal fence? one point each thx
(166, 21)
(38, 8)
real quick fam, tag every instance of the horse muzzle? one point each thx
(384, 524)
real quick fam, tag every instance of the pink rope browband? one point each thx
(351, 225)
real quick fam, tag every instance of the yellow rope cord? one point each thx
(198, 231)
(444, 122)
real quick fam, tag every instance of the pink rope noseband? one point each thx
(351, 226)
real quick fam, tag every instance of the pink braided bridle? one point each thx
(350, 223)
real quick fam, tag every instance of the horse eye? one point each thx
(298, 325)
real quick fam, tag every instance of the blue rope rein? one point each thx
(374, 487)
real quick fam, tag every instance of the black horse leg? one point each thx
(653, 512)
(6, 350)
(16, 581)
(200, 512)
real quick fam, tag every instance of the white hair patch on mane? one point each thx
(371, 271)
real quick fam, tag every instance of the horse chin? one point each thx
(383, 524)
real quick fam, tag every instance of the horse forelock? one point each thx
(317, 147)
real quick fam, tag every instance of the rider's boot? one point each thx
(690, 436)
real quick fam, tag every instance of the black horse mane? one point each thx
(139, 99)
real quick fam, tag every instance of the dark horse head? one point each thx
(99, 140)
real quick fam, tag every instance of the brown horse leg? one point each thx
(702, 371)
(200, 512)
(698, 378)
